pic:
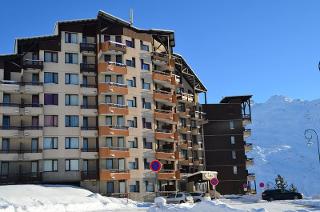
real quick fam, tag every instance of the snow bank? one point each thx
(308, 202)
(40, 198)
(204, 206)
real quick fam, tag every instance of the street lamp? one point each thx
(308, 134)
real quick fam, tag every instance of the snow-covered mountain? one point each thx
(280, 147)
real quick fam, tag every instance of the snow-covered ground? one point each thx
(280, 147)
(49, 198)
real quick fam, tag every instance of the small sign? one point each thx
(214, 181)
(261, 185)
(155, 166)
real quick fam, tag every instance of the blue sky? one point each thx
(259, 47)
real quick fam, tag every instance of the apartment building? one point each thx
(94, 103)
(225, 144)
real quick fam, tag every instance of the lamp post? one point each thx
(308, 134)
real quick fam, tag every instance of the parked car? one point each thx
(180, 197)
(197, 196)
(278, 194)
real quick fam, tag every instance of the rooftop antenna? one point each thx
(131, 17)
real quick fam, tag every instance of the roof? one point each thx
(228, 99)
(190, 75)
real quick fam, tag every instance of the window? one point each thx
(107, 78)
(72, 143)
(133, 123)
(50, 143)
(6, 98)
(145, 85)
(120, 100)
(110, 187)
(134, 164)
(231, 125)
(51, 121)
(107, 37)
(143, 46)
(119, 58)
(50, 77)
(51, 57)
(107, 58)
(71, 58)
(134, 143)
(109, 141)
(72, 121)
(132, 83)
(232, 140)
(121, 142)
(108, 99)
(109, 120)
(120, 120)
(132, 103)
(135, 187)
(130, 43)
(5, 145)
(4, 168)
(147, 144)
(235, 170)
(146, 105)
(131, 63)
(146, 164)
(72, 165)
(50, 165)
(146, 124)
(145, 66)
(71, 37)
(149, 186)
(119, 79)
(71, 79)
(71, 100)
(234, 156)
(50, 99)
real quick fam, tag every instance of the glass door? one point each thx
(34, 145)
(4, 171)
(5, 145)
(85, 144)
(122, 187)
(121, 164)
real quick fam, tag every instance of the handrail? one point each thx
(116, 84)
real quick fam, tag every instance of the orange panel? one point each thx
(160, 115)
(109, 109)
(161, 77)
(109, 46)
(165, 155)
(105, 67)
(164, 136)
(108, 131)
(105, 152)
(106, 175)
(162, 96)
(174, 175)
(108, 88)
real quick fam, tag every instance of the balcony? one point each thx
(89, 110)
(89, 89)
(89, 175)
(113, 131)
(114, 152)
(22, 178)
(89, 131)
(246, 133)
(251, 177)
(196, 146)
(198, 162)
(165, 115)
(89, 153)
(185, 97)
(32, 109)
(163, 77)
(10, 131)
(33, 64)
(186, 162)
(90, 68)
(166, 154)
(248, 147)
(164, 96)
(249, 162)
(185, 145)
(113, 109)
(10, 108)
(112, 87)
(32, 87)
(168, 175)
(166, 135)
(88, 47)
(32, 131)
(112, 174)
(113, 47)
(20, 154)
(9, 86)
(112, 68)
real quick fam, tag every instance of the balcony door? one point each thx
(35, 78)
(120, 121)
(85, 166)
(34, 167)
(34, 145)
(5, 145)
(4, 171)
(122, 187)
(35, 121)
(110, 187)
(85, 144)
(85, 101)
(85, 122)
(35, 99)
(6, 98)
(121, 164)
(6, 121)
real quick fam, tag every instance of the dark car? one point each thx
(278, 194)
